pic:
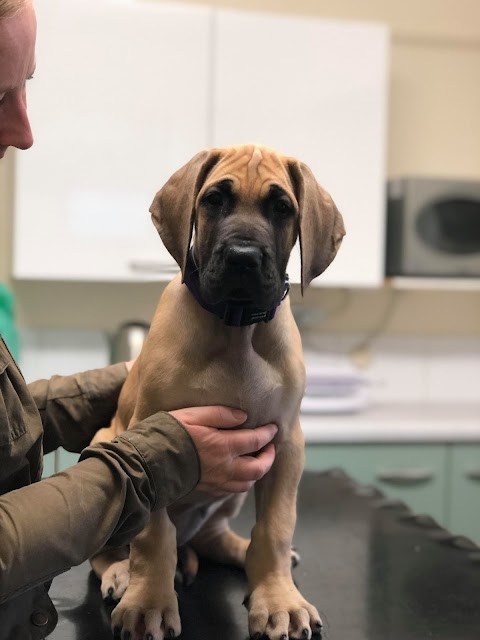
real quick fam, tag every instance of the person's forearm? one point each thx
(50, 526)
(74, 407)
(57, 523)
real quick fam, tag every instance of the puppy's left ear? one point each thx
(173, 208)
(321, 227)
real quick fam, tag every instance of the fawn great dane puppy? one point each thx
(223, 333)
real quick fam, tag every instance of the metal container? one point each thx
(127, 342)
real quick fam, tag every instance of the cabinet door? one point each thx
(414, 474)
(317, 90)
(465, 491)
(118, 103)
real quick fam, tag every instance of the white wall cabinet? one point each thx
(116, 115)
(119, 102)
(316, 90)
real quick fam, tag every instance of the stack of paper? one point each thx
(333, 386)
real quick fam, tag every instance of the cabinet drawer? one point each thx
(464, 512)
(414, 474)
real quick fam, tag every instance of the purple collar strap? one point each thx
(232, 314)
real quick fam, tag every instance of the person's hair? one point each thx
(9, 8)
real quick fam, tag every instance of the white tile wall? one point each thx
(48, 352)
(453, 370)
(400, 369)
(406, 369)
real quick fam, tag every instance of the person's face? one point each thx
(17, 63)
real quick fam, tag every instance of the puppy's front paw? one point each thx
(147, 613)
(278, 610)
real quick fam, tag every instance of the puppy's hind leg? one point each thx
(187, 566)
(112, 567)
(216, 541)
(225, 547)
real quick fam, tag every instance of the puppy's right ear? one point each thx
(173, 208)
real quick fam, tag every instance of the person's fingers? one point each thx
(266, 458)
(211, 416)
(246, 441)
(249, 468)
(237, 486)
(227, 487)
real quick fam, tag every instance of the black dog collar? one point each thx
(233, 314)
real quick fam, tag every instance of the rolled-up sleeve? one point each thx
(73, 408)
(104, 500)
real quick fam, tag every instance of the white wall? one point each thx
(434, 129)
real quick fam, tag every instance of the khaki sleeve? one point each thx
(104, 500)
(73, 408)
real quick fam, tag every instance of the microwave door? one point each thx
(447, 238)
(451, 226)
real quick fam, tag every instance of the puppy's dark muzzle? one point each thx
(243, 258)
(241, 271)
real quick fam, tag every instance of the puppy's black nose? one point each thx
(240, 257)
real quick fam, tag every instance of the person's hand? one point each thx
(226, 466)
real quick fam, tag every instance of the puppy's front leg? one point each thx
(149, 605)
(276, 607)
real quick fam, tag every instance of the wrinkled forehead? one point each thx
(252, 170)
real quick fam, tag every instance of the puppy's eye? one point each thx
(214, 199)
(282, 208)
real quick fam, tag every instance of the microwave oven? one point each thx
(433, 228)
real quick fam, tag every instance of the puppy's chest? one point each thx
(247, 382)
(243, 379)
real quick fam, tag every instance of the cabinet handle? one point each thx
(153, 266)
(473, 474)
(405, 476)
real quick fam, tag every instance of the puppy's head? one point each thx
(247, 205)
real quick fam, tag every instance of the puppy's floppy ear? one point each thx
(320, 226)
(173, 208)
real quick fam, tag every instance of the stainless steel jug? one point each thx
(128, 341)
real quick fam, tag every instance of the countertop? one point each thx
(421, 422)
(373, 569)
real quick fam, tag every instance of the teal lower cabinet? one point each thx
(465, 490)
(413, 473)
(441, 480)
(65, 459)
(58, 461)
(48, 465)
